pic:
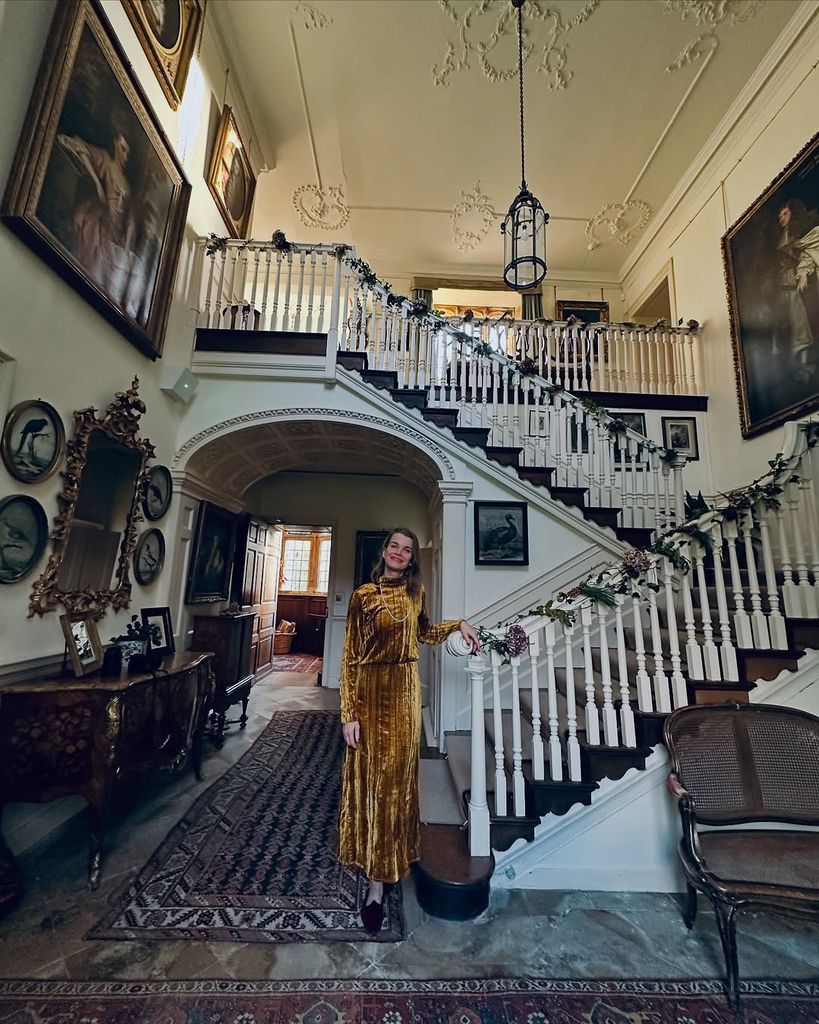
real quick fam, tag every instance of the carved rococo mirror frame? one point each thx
(120, 423)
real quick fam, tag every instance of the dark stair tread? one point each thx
(475, 437)
(385, 379)
(449, 882)
(441, 417)
(353, 360)
(302, 343)
(505, 455)
(413, 398)
(538, 475)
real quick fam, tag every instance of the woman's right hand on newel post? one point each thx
(352, 733)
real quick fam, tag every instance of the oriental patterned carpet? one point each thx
(485, 1001)
(252, 860)
(296, 663)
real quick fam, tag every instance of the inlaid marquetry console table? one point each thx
(85, 736)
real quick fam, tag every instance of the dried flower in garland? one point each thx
(635, 563)
(517, 641)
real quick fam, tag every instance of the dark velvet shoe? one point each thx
(372, 916)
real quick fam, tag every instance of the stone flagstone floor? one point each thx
(546, 934)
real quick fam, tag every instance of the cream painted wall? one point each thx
(778, 118)
(62, 350)
(347, 503)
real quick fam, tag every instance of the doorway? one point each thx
(301, 605)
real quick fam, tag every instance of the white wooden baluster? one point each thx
(311, 293)
(710, 654)
(251, 313)
(211, 262)
(265, 290)
(592, 716)
(776, 622)
(662, 692)
(572, 742)
(479, 842)
(627, 731)
(285, 324)
(727, 652)
(645, 700)
(609, 714)
(497, 725)
(759, 625)
(538, 766)
(229, 296)
(274, 315)
(679, 692)
(348, 339)
(693, 654)
(808, 489)
(742, 624)
(555, 753)
(325, 261)
(518, 784)
(790, 595)
(807, 599)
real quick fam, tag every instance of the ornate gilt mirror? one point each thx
(94, 532)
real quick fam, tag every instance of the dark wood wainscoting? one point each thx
(310, 615)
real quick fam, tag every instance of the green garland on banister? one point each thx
(632, 571)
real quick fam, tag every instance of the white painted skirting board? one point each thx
(610, 845)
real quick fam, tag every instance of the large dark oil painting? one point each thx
(772, 270)
(96, 189)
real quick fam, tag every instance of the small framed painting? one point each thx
(23, 536)
(230, 178)
(368, 545)
(149, 557)
(158, 493)
(538, 422)
(582, 310)
(33, 441)
(501, 533)
(83, 642)
(158, 622)
(635, 421)
(212, 551)
(680, 435)
(167, 31)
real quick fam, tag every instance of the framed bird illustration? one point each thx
(158, 493)
(33, 441)
(501, 533)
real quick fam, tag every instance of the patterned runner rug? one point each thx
(483, 1001)
(252, 860)
(295, 663)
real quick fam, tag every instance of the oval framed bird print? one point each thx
(23, 536)
(158, 493)
(33, 441)
(149, 557)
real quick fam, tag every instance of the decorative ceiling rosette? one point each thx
(310, 17)
(708, 15)
(617, 222)
(321, 207)
(483, 28)
(474, 206)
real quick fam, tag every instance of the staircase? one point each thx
(693, 612)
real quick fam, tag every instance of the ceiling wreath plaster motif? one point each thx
(311, 18)
(321, 207)
(709, 14)
(483, 25)
(389, 427)
(617, 222)
(473, 201)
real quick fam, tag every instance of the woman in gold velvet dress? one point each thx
(379, 826)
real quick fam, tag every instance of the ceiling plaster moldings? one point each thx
(473, 201)
(619, 222)
(390, 427)
(317, 206)
(322, 208)
(709, 14)
(484, 23)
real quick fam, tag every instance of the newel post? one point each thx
(479, 839)
(332, 333)
(454, 703)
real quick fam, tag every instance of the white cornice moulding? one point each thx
(481, 272)
(773, 62)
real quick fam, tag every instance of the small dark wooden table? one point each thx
(60, 737)
(230, 638)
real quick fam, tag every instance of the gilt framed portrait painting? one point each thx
(771, 257)
(167, 31)
(95, 188)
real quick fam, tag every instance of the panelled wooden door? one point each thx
(260, 584)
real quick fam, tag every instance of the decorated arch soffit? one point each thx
(236, 452)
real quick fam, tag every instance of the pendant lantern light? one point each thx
(524, 227)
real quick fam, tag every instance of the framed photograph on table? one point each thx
(680, 435)
(771, 258)
(167, 31)
(230, 177)
(95, 188)
(211, 555)
(158, 620)
(501, 533)
(83, 642)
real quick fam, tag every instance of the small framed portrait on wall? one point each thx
(501, 533)
(680, 435)
(33, 441)
(230, 177)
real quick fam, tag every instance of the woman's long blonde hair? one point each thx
(412, 574)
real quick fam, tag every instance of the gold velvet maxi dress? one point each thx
(379, 827)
